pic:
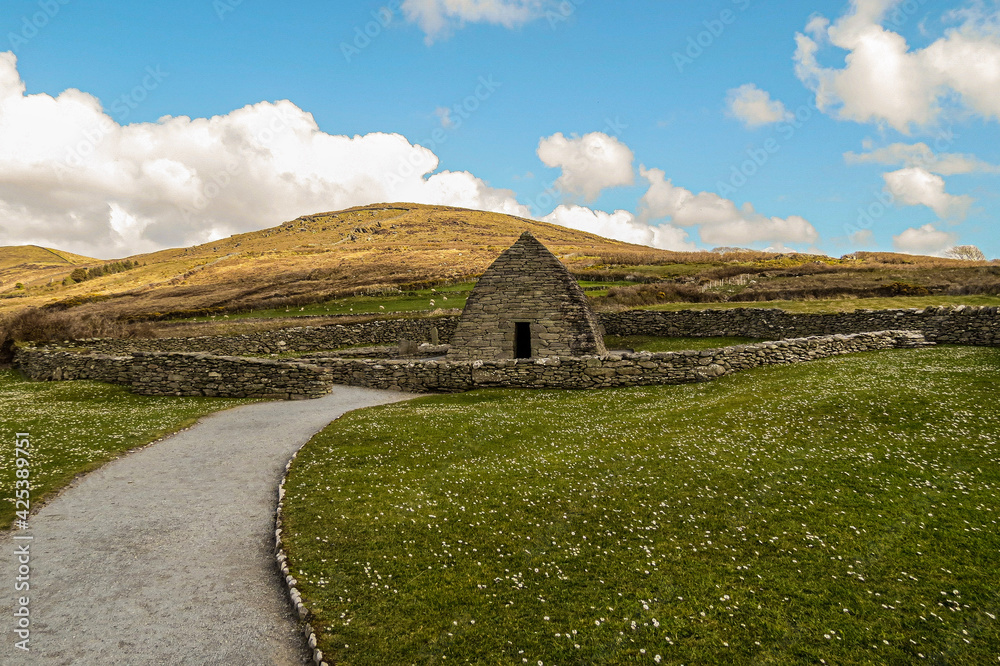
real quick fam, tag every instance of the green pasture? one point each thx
(843, 511)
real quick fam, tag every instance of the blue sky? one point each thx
(831, 126)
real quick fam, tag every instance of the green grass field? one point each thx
(840, 304)
(843, 511)
(77, 426)
(452, 296)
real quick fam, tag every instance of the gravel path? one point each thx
(166, 556)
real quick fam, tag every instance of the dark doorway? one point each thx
(522, 339)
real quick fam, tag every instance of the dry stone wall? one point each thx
(40, 364)
(226, 376)
(187, 374)
(171, 366)
(167, 373)
(976, 326)
(301, 339)
(641, 369)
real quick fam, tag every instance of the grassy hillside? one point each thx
(387, 257)
(31, 264)
(369, 249)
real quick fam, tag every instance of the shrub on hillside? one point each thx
(975, 289)
(38, 325)
(664, 292)
(904, 289)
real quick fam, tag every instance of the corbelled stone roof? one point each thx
(528, 284)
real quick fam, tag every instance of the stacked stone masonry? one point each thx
(976, 326)
(177, 373)
(616, 370)
(300, 339)
(171, 373)
(526, 304)
(211, 365)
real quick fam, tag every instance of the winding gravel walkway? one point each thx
(166, 556)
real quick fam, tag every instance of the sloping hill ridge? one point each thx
(31, 263)
(361, 249)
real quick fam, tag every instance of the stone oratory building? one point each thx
(526, 305)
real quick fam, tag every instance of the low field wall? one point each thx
(306, 338)
(171, 373)
(175, 373)
(641, 369)
(975, 326)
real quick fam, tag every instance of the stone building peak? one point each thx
(526, 305)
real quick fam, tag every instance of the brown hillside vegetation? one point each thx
(31, 263)
(388, 248)
(743, 278)
(359, 250)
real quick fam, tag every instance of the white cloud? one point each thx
(884, 81)
(862, 237)
(925, 240)
(439, 18)
(444, 115)
(921, 155)
(621, 225)
(71, 177)
(590, 163)
(719, 221)
(914, 186)
(754, 107)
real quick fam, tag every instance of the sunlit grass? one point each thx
(840, 304)
(77, 426)
(454, 297)
(843, 510)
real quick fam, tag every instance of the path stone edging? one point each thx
(97, 534)
(290, 582)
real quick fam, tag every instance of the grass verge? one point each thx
(422, 300)
(78, 426)
(842, 510)
(838, 304)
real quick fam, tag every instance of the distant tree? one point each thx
(966, 252)
(81, 274)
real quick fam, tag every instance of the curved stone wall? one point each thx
(977, 326)
(173, 373)
(587, 372)
(169, 373)
(168, 367)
